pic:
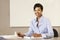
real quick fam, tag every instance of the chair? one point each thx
(55, 32)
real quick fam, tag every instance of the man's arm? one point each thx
(50, 30)
(29, 33)
(30, 30)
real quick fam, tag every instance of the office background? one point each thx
(5, 20)
(21, 11)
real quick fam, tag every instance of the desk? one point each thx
(12, 37)
(35, 39)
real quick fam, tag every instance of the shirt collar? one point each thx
(39, 18)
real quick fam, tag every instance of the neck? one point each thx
(39, 17)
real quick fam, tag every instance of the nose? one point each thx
(37, 12)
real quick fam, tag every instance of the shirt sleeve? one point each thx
(50, 30)
(30, 31)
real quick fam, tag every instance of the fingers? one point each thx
(20, 35)
(37, 35)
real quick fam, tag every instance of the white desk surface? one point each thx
(14, 37)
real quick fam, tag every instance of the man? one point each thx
(40, 26)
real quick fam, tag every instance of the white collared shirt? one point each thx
(44, 28)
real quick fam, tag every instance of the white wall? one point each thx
(21, 11)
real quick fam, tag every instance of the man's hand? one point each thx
(37, 35)
(20, 35)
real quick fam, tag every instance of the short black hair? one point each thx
(38, 5)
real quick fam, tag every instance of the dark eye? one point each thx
(34, 10)
(38, 9)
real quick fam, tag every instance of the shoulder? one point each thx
(45, 18)
(33, 20)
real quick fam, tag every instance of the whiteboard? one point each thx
(21, 11)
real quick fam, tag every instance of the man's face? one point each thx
(38, 11)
